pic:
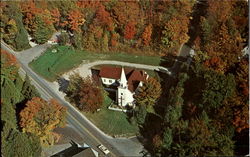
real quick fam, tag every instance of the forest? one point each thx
(204, 112)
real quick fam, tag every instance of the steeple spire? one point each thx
(123, 80)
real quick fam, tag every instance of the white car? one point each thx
(164, 70)
(103, 149)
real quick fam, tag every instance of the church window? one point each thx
(110, 81)
(121, 93)
(104, 80)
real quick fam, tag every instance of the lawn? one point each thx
(112, 122)
(50, 65)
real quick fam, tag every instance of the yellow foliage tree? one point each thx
(41, 117)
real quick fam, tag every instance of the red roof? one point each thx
(110, 72)
(133, 76)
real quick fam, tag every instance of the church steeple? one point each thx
(123, 80)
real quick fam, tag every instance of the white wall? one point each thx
(126, 96)
(107, 81)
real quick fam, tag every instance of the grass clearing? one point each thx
(50, 65)
(112, 122)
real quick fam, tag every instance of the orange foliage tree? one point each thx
(41, 117)
(29, 10)
(104, 18)
(55, 14)
(146, 35)
(76, 19)
(126, 11)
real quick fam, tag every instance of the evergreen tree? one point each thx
(43, 31)
(28, 90)
(140, 114)
(15, 143)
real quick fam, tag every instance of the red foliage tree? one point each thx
(8, 58)
(55, 14)
(29, 10)
(85, 93)
(88, 4)
(130, 31)
(104, 18)
(89, 90)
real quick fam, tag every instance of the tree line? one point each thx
(27, 120)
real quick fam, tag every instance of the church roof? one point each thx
(133, 76)
(110, 72)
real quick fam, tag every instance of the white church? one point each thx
(124, 81)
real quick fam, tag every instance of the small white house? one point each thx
(124, 81)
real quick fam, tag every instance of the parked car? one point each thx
(164, 70)
(52, 42)
(103, 149)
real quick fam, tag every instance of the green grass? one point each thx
(50, 65)
(112, 122)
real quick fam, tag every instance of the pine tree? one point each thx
(28, 90)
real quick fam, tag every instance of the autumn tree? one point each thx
(176, 23)
(240, 100)
(129, 31)
(114, 38)
(82, 91)
(38, 21)
(55, 16)
(126, 11)
(146, 35)
(14, 90)
(41, 117)
(148, 94)
(104, 18)
(30, 10)
(204, 140)
(222, 36)
(87, 92)
(43, 29)
(75, 19)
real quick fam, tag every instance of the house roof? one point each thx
(133, 76)
(85, 153)
(110, 72)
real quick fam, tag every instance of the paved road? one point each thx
(117, 147)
